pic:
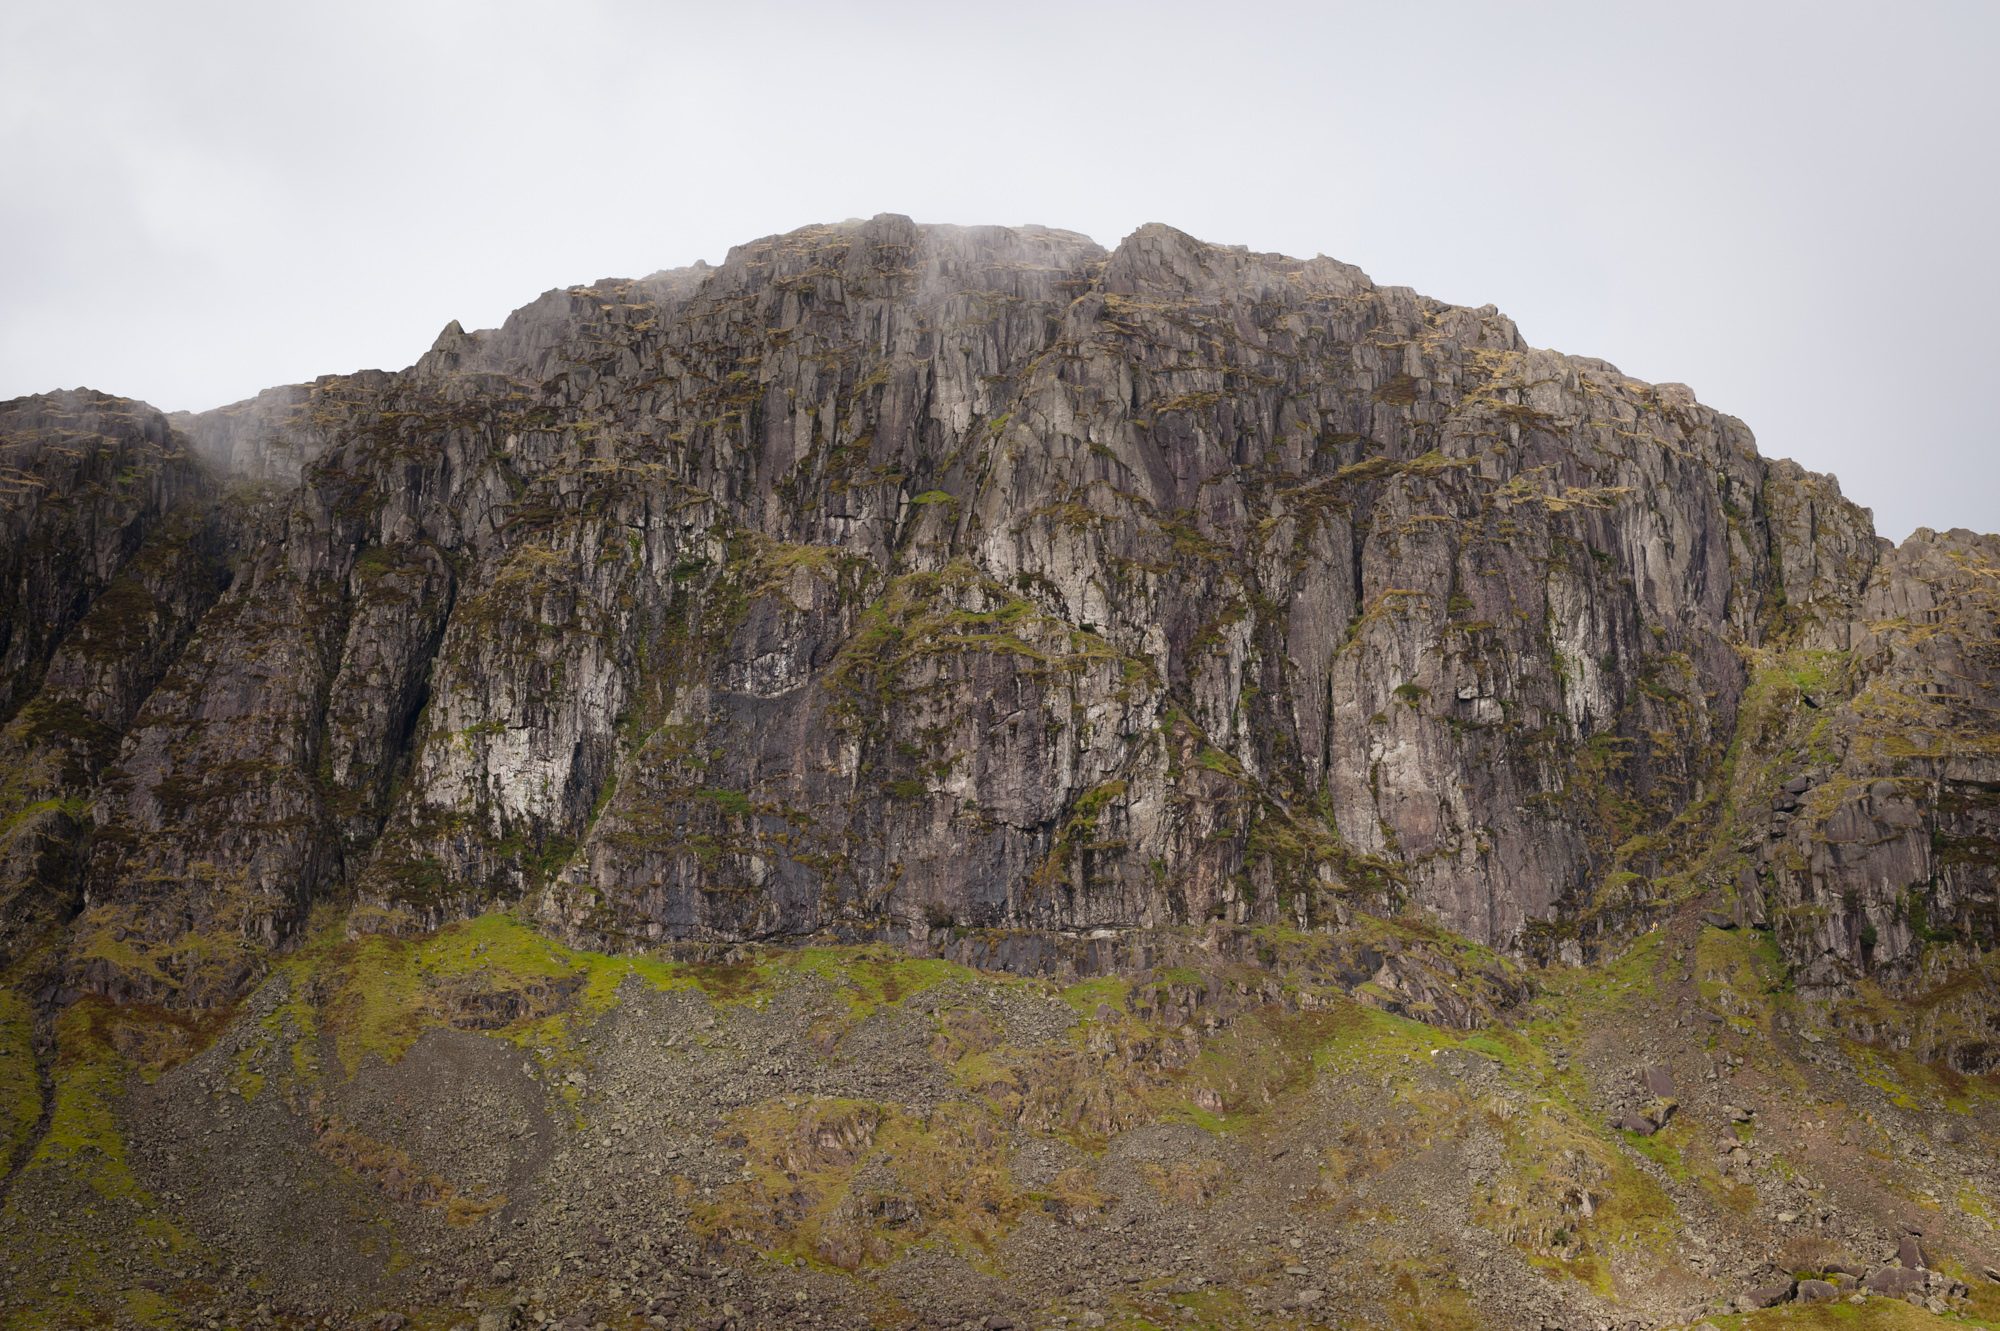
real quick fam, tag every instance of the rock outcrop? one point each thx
(891, 580)
(112, 550)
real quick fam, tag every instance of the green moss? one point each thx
(806, 1197)
(733, 802)
(374, 996)
(1086, 996)
(1211, 759)
(20, 1085)
(1739, 975)
(1662, 1151)
(865, 978)
(1909, 1083)
(1876, 1314)
(83, 1137)
(925, 616)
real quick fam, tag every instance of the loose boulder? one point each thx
(1895, 1281)
(1766, 1296)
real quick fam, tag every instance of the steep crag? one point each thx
(1005, 599)
(889, 578)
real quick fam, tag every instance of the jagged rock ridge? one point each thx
(899, 580)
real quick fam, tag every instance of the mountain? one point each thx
(923, 755)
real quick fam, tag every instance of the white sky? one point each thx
(1789, 206)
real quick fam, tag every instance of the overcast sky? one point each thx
(1789, 206)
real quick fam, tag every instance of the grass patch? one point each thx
(846, 1184)
(20, 1084)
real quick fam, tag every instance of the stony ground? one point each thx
(483, 1128)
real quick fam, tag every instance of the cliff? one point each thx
(1294, 682)
(888, 580)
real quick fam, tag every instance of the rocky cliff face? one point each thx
(1475, 844)
(110, 540)
(898, 580)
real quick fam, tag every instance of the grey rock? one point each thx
(1628, 1122)
(1895, 1281)
(967, 587)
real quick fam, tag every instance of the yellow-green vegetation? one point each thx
(769, 565)
(865, 978)
(953, 610)
(1978, 1205)
(196, 966)
(1955, 1011)
(1908, 1082)
(1426, 1295)
(1560, 1154)
(1776, 737)
(81, 1154)
(1739, 975)
(1080, 832)
(1875, 1314)
(83, 1137)
(1212, 1308)
(20, 1088)
(99, 1048)
(1574, 998)
(1086, 996)
(1245, 1043)
(1085, 1091)
(848, 1183)
(373, 996)
(1570, 1199)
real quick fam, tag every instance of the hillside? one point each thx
(934, 774)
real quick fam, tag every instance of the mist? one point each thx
(1786, 206)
